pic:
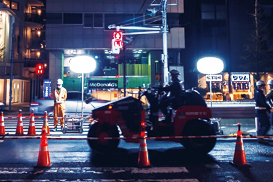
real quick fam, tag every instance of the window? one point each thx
(7, 3)
(54, 18)
(72, 18)
(14, 5)
(88, 20)
(98, 20)
(212, 11)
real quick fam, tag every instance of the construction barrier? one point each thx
(41, 117)
(115, 138)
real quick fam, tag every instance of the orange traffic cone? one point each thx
(45, 124)
(19, 128)
(43, 158)
(143, 158)
(31, 128)
(2, 125)
(239, 155)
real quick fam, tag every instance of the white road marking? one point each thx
(160, 170)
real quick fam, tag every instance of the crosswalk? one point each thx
(107, 174)
(11, 124)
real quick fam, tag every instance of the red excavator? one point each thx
(123, 117)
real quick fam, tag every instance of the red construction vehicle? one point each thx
(123, 117)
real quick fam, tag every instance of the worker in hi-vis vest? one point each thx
(59, 97)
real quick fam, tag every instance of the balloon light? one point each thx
(210, 65)
(82, 64)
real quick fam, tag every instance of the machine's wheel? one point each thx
(198, 145)
(103, 130)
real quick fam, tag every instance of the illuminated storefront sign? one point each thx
(240, 77)
(74, 51)
(93, 84)
(214, 78)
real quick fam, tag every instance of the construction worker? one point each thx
(175, 90)
(269, 98)
(59, 97)
(261, 110)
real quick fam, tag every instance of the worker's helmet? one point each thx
(59, 82)
(259, 83)
(270, 82)
(174, 72)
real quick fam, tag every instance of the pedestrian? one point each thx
(59, 97)
(261, 110)
(269, 98)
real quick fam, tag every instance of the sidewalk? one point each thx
(15, 107)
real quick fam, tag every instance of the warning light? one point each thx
(118, 35)
(39, 69)
(117, 42)
(110, 107)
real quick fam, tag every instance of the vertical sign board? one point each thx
(47, 88)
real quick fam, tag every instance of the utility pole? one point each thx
(11, 65)
(165, 42)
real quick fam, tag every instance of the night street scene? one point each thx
(136, 90)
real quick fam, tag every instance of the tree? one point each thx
(257, 49)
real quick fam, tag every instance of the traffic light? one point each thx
(39, 69)
(117, 42)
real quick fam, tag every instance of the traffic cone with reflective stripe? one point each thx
(43, 158)
(239, 155)
(2, 125)
(45, 124)
(143, 158)
(31, 128)
(19, 128)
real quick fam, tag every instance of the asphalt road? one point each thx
(73, 160)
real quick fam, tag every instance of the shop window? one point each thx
(98, 20)
(54, 18)
(88, 20)
(14, 6)
(72, 18)
(7, 3)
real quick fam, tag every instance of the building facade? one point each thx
(20, 31)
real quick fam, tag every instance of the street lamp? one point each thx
(82, 64)
(210, 65)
